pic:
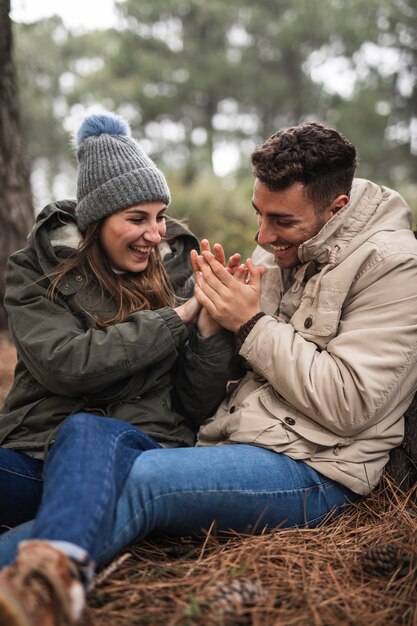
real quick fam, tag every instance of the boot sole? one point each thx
(11, 613)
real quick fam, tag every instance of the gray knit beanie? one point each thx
(114, 173)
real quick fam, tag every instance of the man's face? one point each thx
(286, 220)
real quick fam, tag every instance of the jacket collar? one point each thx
(371, 208)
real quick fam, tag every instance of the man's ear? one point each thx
(339, 203)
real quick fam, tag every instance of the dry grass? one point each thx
(302, 577)
(297, 577)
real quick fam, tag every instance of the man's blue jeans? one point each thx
(107, 484)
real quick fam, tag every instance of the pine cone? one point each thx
(228, 601)
(381, 560)
(180, 550)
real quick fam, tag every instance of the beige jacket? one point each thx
(333, 364)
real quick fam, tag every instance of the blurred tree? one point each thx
(16, 211)
(198, 76)
(171, 63)
(44, 56)
(204, 82)
(374, 45)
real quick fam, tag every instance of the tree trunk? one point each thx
(16, 207)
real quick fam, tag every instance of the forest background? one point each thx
(202, 82)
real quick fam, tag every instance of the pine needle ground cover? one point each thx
(357, 569)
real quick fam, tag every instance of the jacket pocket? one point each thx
(319, 322)
(298, 423)
(14, 420)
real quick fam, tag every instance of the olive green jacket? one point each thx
(151, 370)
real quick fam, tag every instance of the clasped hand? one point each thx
(192, 311)
(231, 296)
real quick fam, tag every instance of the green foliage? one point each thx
(222, 214)
(195, 607)
(193, 75)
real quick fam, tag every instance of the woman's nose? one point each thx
(152, 233)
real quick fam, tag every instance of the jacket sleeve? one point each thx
(202, 374)
(68, 359)
(367, 365)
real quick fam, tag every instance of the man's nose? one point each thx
(266, 233)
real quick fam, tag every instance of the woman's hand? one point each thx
(206, 325)
(189, 310)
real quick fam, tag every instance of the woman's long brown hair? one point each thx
(129, 292)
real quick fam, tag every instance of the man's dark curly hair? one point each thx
(311, 153)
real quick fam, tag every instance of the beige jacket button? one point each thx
(308, 322)
(289, 420)
(232, 409)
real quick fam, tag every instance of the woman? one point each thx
(104, 348)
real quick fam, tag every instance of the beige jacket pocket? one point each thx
(303, 427)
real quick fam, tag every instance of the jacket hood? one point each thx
(371, 208)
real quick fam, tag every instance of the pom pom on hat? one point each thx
(102, 123)
(114, 173)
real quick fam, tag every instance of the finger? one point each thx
(238, 268)
(194, 261)
(193, 307)
(219, 253)
(233, 262)
(241, 273)
(213, 280)
(256, 273)
(218, 270)
(209, 284)
(205, 245)
(204, 301)
(238, 273)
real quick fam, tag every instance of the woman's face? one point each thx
(128, 236)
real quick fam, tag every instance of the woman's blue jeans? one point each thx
(108, 484)
(21, 485)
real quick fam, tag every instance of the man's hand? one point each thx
(230, 301)
(206, 325)
(233, 265)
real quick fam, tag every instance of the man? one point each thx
(332, 341)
